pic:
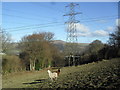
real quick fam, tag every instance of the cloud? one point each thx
(82, 28)
(100, 33)
(84, 31)
(83, 34)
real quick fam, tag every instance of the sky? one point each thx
(97, 21)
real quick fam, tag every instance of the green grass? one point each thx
(102, 74)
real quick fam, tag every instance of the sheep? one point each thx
(54, 75)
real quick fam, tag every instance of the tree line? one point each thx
(97, 51)
(37, 51)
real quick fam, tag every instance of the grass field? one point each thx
(102, 74)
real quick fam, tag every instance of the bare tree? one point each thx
(5, 39)
(115, 37)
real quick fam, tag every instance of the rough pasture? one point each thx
(102, 74)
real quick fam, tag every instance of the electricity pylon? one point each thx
(71, 45)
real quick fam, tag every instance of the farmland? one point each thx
(101, 74)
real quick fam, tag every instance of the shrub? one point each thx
(11, 64)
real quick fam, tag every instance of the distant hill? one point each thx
(61, 44)
(58, 43)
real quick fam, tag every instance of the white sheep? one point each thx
(53, 76)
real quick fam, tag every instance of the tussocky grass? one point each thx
(101, 74)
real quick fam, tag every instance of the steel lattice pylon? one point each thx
(71, 45)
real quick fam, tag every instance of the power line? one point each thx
(33, 25)
(54, 9)
(35, 19)
(40, 30)
(24, 12)
(28, 27)
(11, 22)
(97, 19)
(83, 20)
(100, 17)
